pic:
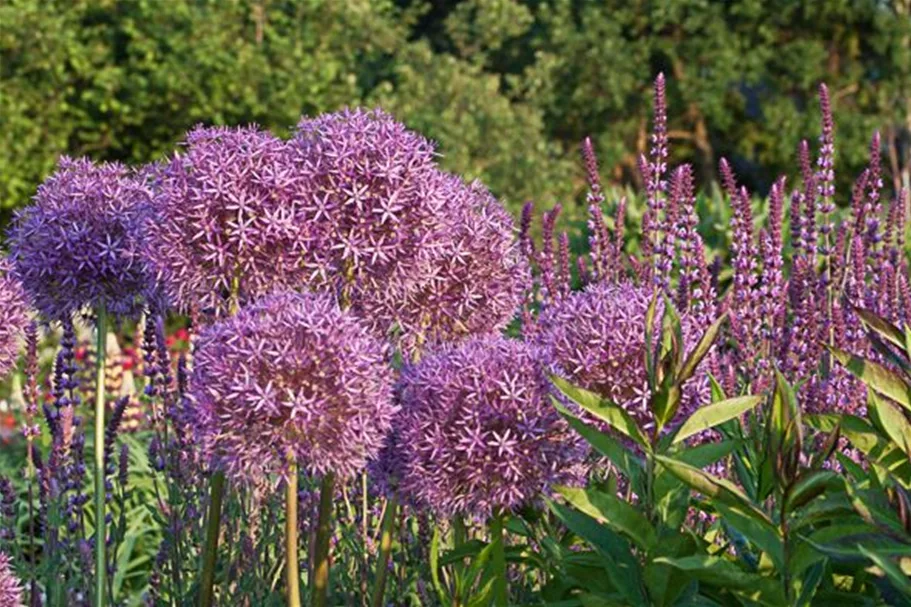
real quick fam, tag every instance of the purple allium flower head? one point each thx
(10, 587)
(78, 244)
(14, 312)
(471, 279)
(370, 188)
(292, 375)
(597, 337)
(479, 433)
(225, 219)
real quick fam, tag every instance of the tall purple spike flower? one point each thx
(14, 312)
(370, 188)
(10, 587)
(225, 225)
(78, 245)
(471, 280)
(291, 376)
(597, 338)
(825, 175)
(478, 431)
(654, 169)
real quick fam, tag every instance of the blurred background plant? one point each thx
(507, 88)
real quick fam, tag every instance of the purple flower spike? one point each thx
(597, 337)
(77, 246)
(225, 220)
(470, 281)
(370, 188)
(10, 587)
(478, 431)
(14, 312)
(291, 375)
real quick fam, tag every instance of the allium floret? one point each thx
(479, 433)
(77, 246)
(225, 223)
(14, 312)
(291, 375)
(370, 188)
(470, 280)
(597, 338)
(10, 586)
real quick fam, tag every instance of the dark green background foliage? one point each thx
(507, 88)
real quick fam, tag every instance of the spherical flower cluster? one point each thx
(469, 281)
(291, 375)
(479, 432)
(597, 337)
(370, 188)
(78, 245)
(225, 223)
(14, 312)
(10, 587)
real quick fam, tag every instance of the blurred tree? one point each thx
(507, 87)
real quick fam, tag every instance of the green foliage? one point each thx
(784, 530)
(507, 87)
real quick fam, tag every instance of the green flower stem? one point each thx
(382, 566)
(210, 549)
(101, 568)
(292, 568)
(323, 537)
(501, 587)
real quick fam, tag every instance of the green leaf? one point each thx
(435, 567)
(709, 416)
(900, 579)
(891, 421)
(704, 455)
(725, 575)
(809, 486)
(622, 569)
(762, 534)
(614, 512)
(884, 381)
(605, 444)
(711, 486)
(701, 350)
(882, 327)
(603, 409)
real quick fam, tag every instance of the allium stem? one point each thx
(501, 584)
(292, 569)
(210, 550)
(323, 537)
(382, 565)
(100, 535)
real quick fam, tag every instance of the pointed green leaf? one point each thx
(891, 421)
(609, 510)
(603, 409)
(701, 350)
(723, 574)
(900, 578)
(882, 327)
(712, 486)
(809, 486)
(884, 381)
(709, 416)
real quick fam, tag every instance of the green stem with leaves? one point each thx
(101, 567)
(323, 538)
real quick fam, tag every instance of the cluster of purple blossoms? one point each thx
(78, 245)
(226, 224)
(14, 312)
(370, 189)
(469, 280)
(291, 376)
(597, 338)
(478, 431)
(10, 586)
